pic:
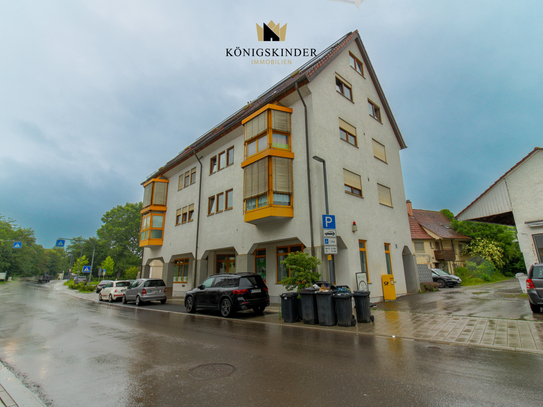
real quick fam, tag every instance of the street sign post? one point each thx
(60, 243)
(17, 245)
(86, 269)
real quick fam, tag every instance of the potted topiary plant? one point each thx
(301, 268)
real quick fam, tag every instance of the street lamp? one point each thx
(331, 262)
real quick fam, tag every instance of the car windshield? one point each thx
(440, 272)
(123, 284)
(537, 272)
(249, 282)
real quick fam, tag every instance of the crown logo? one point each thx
(271, 32)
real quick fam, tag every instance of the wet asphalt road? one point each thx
(78, 353)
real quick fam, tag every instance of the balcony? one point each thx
(444, 255)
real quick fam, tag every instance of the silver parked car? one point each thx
(144, 290)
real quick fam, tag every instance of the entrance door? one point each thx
(260, 263)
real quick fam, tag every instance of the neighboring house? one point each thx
(435, 243)
(248, 193)
(516, 199)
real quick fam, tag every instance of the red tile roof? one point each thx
(437, 223)
(417, 232)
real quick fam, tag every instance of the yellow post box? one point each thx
(389, 291)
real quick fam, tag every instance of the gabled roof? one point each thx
(508, 220)
(305, 74)
(417, 232)
(437, 223)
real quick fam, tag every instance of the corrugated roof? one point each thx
(301, 76)
(437, 223)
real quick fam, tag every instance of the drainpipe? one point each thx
(197, 221)
(308, 172)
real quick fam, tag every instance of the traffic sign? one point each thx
(17, 245)
(330, 233)
(86, 269)
(328, 221)
(330, 241)
(330, 249)
(60, 243)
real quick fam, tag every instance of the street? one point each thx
(72, 352)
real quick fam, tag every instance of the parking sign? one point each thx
(328, 221)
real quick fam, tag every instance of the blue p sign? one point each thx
(328, 221)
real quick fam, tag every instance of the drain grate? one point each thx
(212, 371)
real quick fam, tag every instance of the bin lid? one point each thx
(343, 295)
(309, 291)
(361, 293)
(288, 295)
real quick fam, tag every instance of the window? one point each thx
(419, 247)
(229, 199)
(154, 192)
(387, 257)
(213, 165)
(255, 185)
(191, 213)
(193, 176)
(222, 160)
(154, 207)
(347, 132)
(353, 183)
(375, 112)
(260, 263)
(220, 202)
(211, 205)
(379, 151)
(152, 226)
(344, 89)
(187, 179)
(356, 64)
(185, 215)
(180, 182)
(282, 253)
(181, 273)
(363, 259)
(178, 217)
(230, 156)
(226, 263)
(384, 195)
(270, 128)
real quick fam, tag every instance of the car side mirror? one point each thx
(201, 287)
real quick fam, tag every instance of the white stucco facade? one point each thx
(227, 233)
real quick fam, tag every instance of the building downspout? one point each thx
(308, 172)
(197, 222)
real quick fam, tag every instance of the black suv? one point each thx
(229, 293)
(534, 287)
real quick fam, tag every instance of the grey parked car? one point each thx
(144, 290)
(534, 287)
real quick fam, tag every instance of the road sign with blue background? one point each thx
(86, 269)
(328, 221)
(60, 243)
(17, 245)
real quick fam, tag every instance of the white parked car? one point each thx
(113, 291)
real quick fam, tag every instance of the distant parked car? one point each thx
(80, 279)
(101, 285)
(44, 279)
(229, 293)
(113, 291)
(144, 290)
(445, 279)
(534, 287)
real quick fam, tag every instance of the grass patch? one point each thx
(81, 287)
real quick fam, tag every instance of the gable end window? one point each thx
(347, 132)
(374, 110)
(353, 183)
(384, 195)
(356, 64)
(379, 151)
(344, 89)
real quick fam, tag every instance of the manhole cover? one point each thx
(212, 371)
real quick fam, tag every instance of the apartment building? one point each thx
(247, 193)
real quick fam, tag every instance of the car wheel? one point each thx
(163, 301)
(441, 283)
(139, 301)
(189, 305)
(259, 310)
(124, 300)
(110, 298)
(536, 309)
(226, 308)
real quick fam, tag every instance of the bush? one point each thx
(301, 274)
(428, 287)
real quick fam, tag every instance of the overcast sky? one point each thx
(96, 95)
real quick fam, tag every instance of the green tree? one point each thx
(120, 234)
(109, 265)
(301, 274)
(486, 249)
